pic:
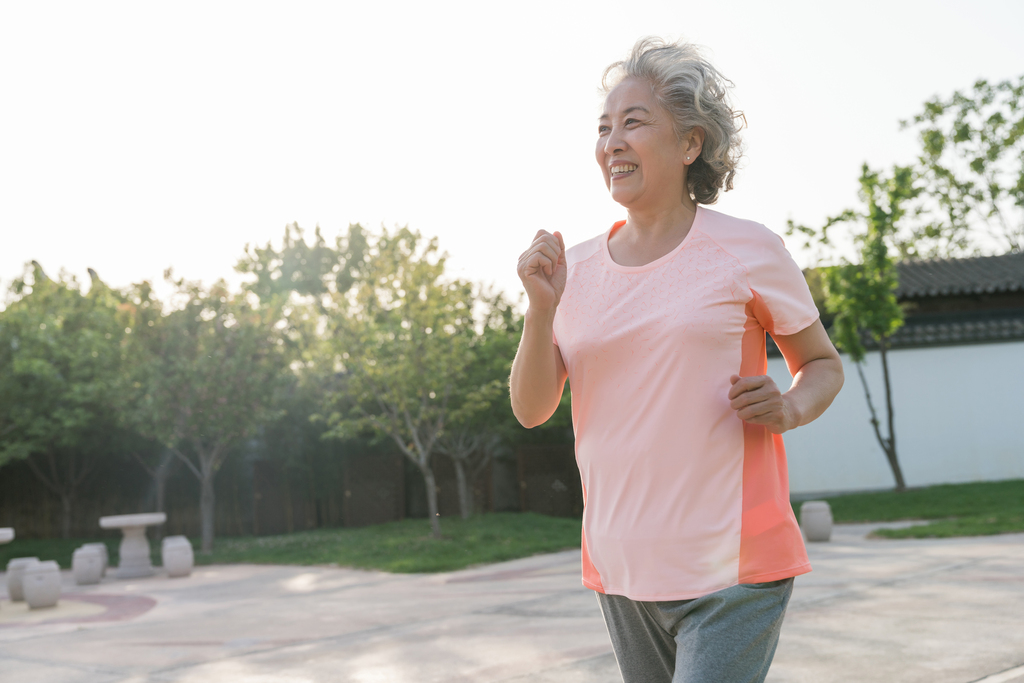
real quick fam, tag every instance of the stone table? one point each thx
(134, 558)
(6, 534)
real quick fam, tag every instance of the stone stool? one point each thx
(41, 584)
(15, 570)
(87, 565)
(102, 548)
(177, 556)
(816, 520)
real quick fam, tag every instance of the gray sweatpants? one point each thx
(728, 636)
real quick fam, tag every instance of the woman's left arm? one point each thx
(817, 378)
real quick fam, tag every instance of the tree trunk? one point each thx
(65, 520)
(206, 507)
(890, 451)
(161, 487)
(62, 488)
(465, 497)
(160, 480)
(160, 477)
(435, 521)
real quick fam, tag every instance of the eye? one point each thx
(601, 130)
(630, 122)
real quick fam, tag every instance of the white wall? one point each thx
(959, 417)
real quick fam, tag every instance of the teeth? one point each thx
(626, 168)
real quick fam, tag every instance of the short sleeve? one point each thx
(774, 277)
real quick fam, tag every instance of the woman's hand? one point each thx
(542, 270)
(817, 377)
(757, 400)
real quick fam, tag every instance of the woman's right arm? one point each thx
(538, 373)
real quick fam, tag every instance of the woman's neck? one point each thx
(661, 222)
(650, 234)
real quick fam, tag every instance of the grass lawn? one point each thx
(976, 509)
(57, 549)
(404, 546)
(407, 546)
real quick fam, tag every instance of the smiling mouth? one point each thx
(622, 169)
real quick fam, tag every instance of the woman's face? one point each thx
(643, 161)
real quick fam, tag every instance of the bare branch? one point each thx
(187, 461)
(142, 462)
(42, 477)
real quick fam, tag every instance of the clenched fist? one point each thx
(757, 400)
(542, 270)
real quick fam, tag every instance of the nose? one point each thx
(613, 142)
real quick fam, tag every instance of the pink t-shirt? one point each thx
(682, 498)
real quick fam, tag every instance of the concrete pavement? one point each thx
(943, 611)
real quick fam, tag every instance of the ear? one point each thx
(693, 143)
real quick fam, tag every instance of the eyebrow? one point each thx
(628, 111)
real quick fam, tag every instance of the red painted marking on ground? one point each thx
(118, 608)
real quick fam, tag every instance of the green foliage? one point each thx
(862, 296)
(60, 355)
(315, 270)
(365, 332)
(394, 349)
(203, 380)
(403, 345)
(478, 428)
(972, 163)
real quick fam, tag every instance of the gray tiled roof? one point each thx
(963, 328)
(948, 329)
(952, 277)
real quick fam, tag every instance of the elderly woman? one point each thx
(659, 325)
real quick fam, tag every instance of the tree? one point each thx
(862, 296)
(304, 286)
(208, 387)
(60, 356)
(143, 316)
(478, 428)
(401, 344)
(972, 165)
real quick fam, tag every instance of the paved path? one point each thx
(930, 611)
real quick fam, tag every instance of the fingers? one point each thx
(544, 254)
(759, 391)
(757, 400)
(542, 269)
(744, 384)
(540, 257)
(767, 409)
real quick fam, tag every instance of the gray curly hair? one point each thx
(696, 95)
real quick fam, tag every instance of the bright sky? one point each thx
(138, 136)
